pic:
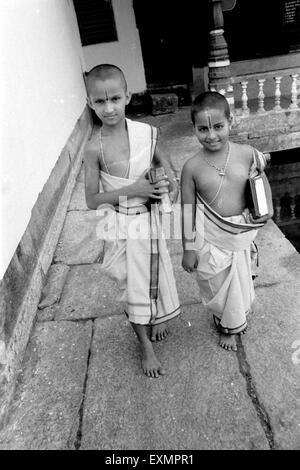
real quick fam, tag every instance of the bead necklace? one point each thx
(222, 170)
(103, 159)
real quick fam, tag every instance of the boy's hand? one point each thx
(143, 187)
(189, 261)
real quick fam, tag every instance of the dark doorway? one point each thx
(256, 28)
(164, 29)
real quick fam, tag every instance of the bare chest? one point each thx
(115, 156)
(225, 192)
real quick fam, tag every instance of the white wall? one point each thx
(126, 52)
(42, 96)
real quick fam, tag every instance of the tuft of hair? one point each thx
(104, 72)
(211, 100)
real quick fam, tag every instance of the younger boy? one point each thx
(120, 153)
(214, 205)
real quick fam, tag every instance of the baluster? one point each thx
(276, 203)
(277, 106)
(261, 96)
(245, 109)
(294, 92)
(293, 204)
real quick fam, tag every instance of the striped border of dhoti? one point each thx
(157, 321)
(230, 331)
(226, 225)
(167, 317)
(154, 268)
(134, 210)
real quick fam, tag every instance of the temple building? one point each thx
(249, 50)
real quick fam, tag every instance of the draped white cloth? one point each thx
(224, 272)
(136, 254)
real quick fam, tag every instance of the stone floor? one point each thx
(81, 385)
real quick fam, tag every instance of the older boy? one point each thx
(214, 205)
(121, 152)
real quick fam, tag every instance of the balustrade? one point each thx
(276, 76)
(286, 209)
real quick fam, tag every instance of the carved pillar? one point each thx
(218, 63)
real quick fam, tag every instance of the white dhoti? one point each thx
(224, 271)
(136, 254)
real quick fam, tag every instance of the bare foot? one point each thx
(150, 364)
(244, 330)
(159, 332)
(228, 342)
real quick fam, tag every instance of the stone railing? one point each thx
(241, 83)
(266, 109)
(286, 209)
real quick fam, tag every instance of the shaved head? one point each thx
(105, 72)
(210, 100)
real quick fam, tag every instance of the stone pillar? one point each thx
(219, 74)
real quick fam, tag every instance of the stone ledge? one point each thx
(268, 132)
(278, 259)
(268, 143)
(271, 352)
(88, 293)
(52, 290)
(79, 242)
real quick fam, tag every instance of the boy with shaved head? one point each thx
(218, 229)
(120, 153)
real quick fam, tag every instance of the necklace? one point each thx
(102, 155)
(222, 170)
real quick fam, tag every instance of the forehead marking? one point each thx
(208, 117)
